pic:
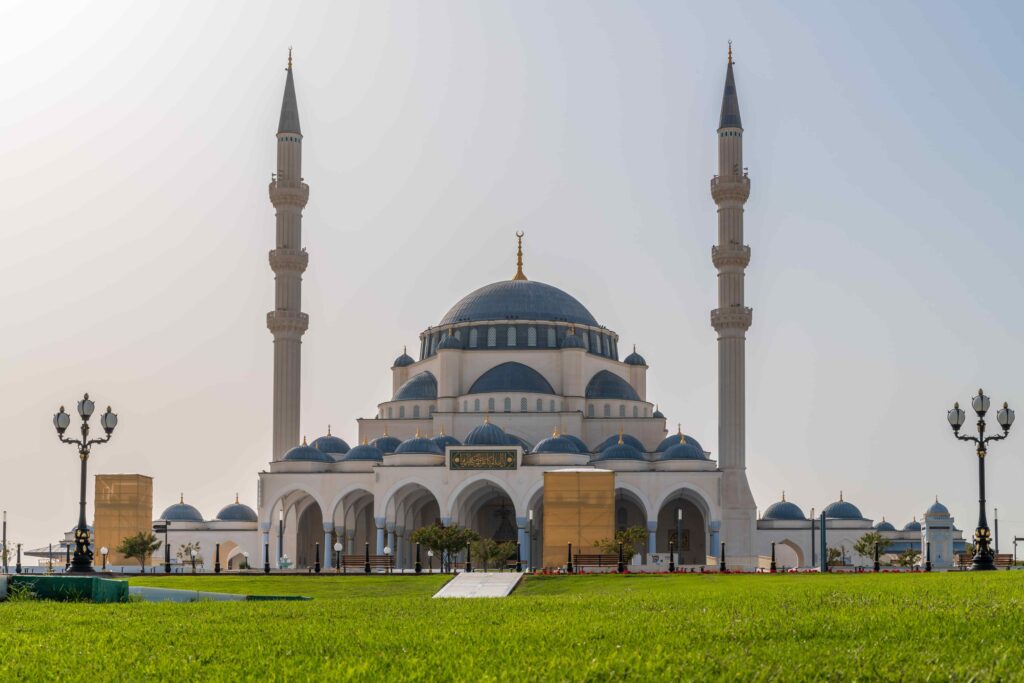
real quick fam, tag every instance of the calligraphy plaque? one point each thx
(472, 459)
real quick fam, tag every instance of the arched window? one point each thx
(401, 411)
(492, 336)
(552, 343)
(622, 410)
(540, 405)
(423, 347)
(607, 410)
(636, 412)
(552, 405)
(586, 340)
(511, 336)
(390, 413)
(523, 407)
(590, 410)
(490, 405)
(508, 404)
(430, 410)
(472, 338)
(531, 336)
(597, 343)
(476, 405)
(465, 406)
(434, 338)
(415, 411)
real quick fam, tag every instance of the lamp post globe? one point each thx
(956, 417)
(103, 554)
(980, 403)
(337, 555)
(61, 421)
(86, 407)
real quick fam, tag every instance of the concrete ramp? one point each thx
(480, 585)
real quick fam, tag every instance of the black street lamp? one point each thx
(103, 553)
(983, 556)
(216, 559)
(163, 527)
(82, 561)
(418, 568)
(469, 559)
(430, 561)
(194, 553)
(519, 558)
(773, 567)
(679, 535)
(622, 563)
(3, 544)
(721, 566)
(337, 556)
(877, 566)
(568, 567)
(17, 566)
(671, 559)
(316, 566)
(366, 564)
(266, 558)
(928, 556)
(532, 563)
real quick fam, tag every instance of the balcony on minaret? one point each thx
(730, 187)
(287, 324)
(288, 192)
(284, 260)
(735, 318)
(730, 255)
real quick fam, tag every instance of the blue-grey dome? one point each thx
(556, 444)
(518, 300)
(578, 442)
(780, 510)
(450, 341)
(363, 452)
(682, 451)
(912, 526)
(572, 341)
(419, 444)
(402, 361)
(938, 508)
(237, 512)
(884, 526)
(842, 509)
(606, 384)
(509, 377)
(676, 439)
(635, 358)
(443, 441)
(306, 453)
(614, 440)
(620, 451)
(419, 387)
(386, 444)
(330, 444)
(182, 512)
(659, 414)
(487, 434)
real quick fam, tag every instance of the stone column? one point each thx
(716, 540)
(379, 522)
(652, 536)
(524, 541)
(328, 546)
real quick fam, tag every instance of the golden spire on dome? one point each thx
(289, 58)
(385, 430)
(442, 430)
(620, 434)
(236, 499)
(328, 430)
(417, 432)
(304, 440)
(730, 52)
(519, 258)
(487, 419)
(783, 496)
(181, 499)
(840, 496)
(556, 432)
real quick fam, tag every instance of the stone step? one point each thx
(480, 585)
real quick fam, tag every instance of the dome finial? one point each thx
(289, 58)
(304, 440)
(936, 498)
(556, 432)
(181, 499)
(620, 434)
(385, 430)
(783, 496)
(519, 258)
(487, 418)
(417, 432)
(840, 496)
(236, 499)
(328, 430)
(730, 52)
(442, 430)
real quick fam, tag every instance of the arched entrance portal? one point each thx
(788, 554)
(486, 508)
(630, 512)
(693, 528)
(411, 507)
(309, 533)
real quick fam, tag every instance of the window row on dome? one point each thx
(621, 410)
(519, 336)
(508, 404)
(402, 412)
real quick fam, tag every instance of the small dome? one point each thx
(403, 361)
(182, 512)
(937, 508)
(330, 444)
(420, 387)
(578, 442)
(842, 510)
(511, 376)
(658, 414)
(450, 341)
(556, 443)
(487, 434)
(780, 510)
(606, 384)
(364, 452)
(237, 512)
(675, 440)
(884, 526)
(572, 341)
(419, 444)
(635, 358)
(682, 451)
(386, 444)
(443, 441)
(306, 453)
(614, 440)
(913, 525)
(620, 451)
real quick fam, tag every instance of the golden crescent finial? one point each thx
(304, 440)
(181, 499)
(730, 52)
(328, 430)
(783, 496)
(289, 58)
(519, 258)
(236, 499)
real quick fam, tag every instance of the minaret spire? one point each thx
(519, 258)
(288, 260)
(731, 319)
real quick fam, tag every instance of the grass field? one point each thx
(652, 628)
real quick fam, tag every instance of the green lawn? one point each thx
(892, 627)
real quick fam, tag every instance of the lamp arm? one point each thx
(77, 442)
(966, 438)
(997, 437)
(95, 441)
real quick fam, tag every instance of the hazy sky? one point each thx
(883, 145)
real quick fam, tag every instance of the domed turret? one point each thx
(658, 413)
(842, 510)
(330, 444)
(937, 508)
(404, 360)
(487, 434)
(386, 444)
(615, 439)
(635, 358)
(364, 452)
(237, 512)
(682, 451)
(442, 441)
(306, 453)
(620, 451)
(912, 525)
(182, 512)
(783, 510)
(676, 439)
(884, 526)
(418, 444)
(556, 443)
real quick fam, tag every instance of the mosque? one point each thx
(519, 379)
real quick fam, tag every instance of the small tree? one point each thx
(184, 553)
(631, 539)
(445, 541)
(140, 547)
(835, 557)
(865, 545)
(908, 557)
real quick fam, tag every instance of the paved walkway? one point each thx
(480, 585)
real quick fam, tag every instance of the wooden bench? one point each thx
(964, 560)
(1004, 560)
(595, 561)
(359, 562)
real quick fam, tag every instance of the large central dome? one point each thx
(518, 300)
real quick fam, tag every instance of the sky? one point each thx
(883, 147)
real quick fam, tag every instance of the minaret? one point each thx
(730, 189)
(288, 260)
